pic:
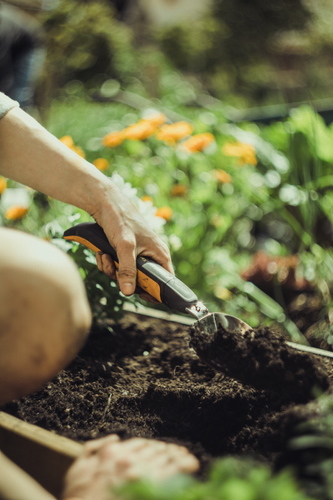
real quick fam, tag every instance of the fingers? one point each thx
(108, 462)
(125, 274)
(159, 253)
(94, 446)
(128, 245)
(106, 264)
(142, 458)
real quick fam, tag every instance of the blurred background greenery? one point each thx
(216, 119)
(248, 212)
(246, 54)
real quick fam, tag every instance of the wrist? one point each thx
(112, 203)
(101, 199)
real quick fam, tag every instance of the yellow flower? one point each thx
(179, 190)
(146, 198)
(164, 212)
(15, 212)
(222, 293)
(244, 152)
(113, 139)
(198, 142)
(174, 132)
(139, 131)
(67, 140)
(101, 163)
(222, 176)
(3, 184)
(156, 119)
(79, 151)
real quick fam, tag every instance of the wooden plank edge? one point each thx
(43, 437)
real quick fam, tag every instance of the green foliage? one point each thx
(234, 48)
(229, 479)
(246, 53)
(310, 450)
(236, 32)
(274, 195)
(85, 41)
(104, 297)
(305, 191)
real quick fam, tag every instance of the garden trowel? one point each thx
(169, 290)
(158, 282)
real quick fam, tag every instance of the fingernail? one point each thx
(128, 289)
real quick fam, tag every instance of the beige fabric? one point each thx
(6, 104)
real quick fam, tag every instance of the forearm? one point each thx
(34, 157)
(16, 484)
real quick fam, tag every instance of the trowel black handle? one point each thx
(151, 277)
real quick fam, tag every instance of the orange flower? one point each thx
(198, 142)
(164, 212)
(179, 190)
(221, 176)
(67, 140)
(3, 184)
(245, 153)
(101, 163)
(15, 212)
(113, 139)
(156, 119)
(79, 151)
(139, 131)
(146, 198)
(174, 132)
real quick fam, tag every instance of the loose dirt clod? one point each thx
(263, 360)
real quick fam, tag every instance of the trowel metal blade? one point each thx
(214, 321)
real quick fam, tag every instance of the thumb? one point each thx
(126, 275)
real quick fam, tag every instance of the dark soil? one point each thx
(262, 359)
(144, 379)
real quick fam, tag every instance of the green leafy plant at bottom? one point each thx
(229, 479)
(310, 449)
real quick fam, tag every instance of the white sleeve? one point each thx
(6, 104)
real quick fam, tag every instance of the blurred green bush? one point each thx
(245, 53)
(85, 42)
(226, 192)
(232, 49)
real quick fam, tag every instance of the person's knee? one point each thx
(44, 313)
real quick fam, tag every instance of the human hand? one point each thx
(46, 165)
(108, 462)
(106, 264)
(128, 233)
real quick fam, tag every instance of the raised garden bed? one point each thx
(44, 455)
(143, 379)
